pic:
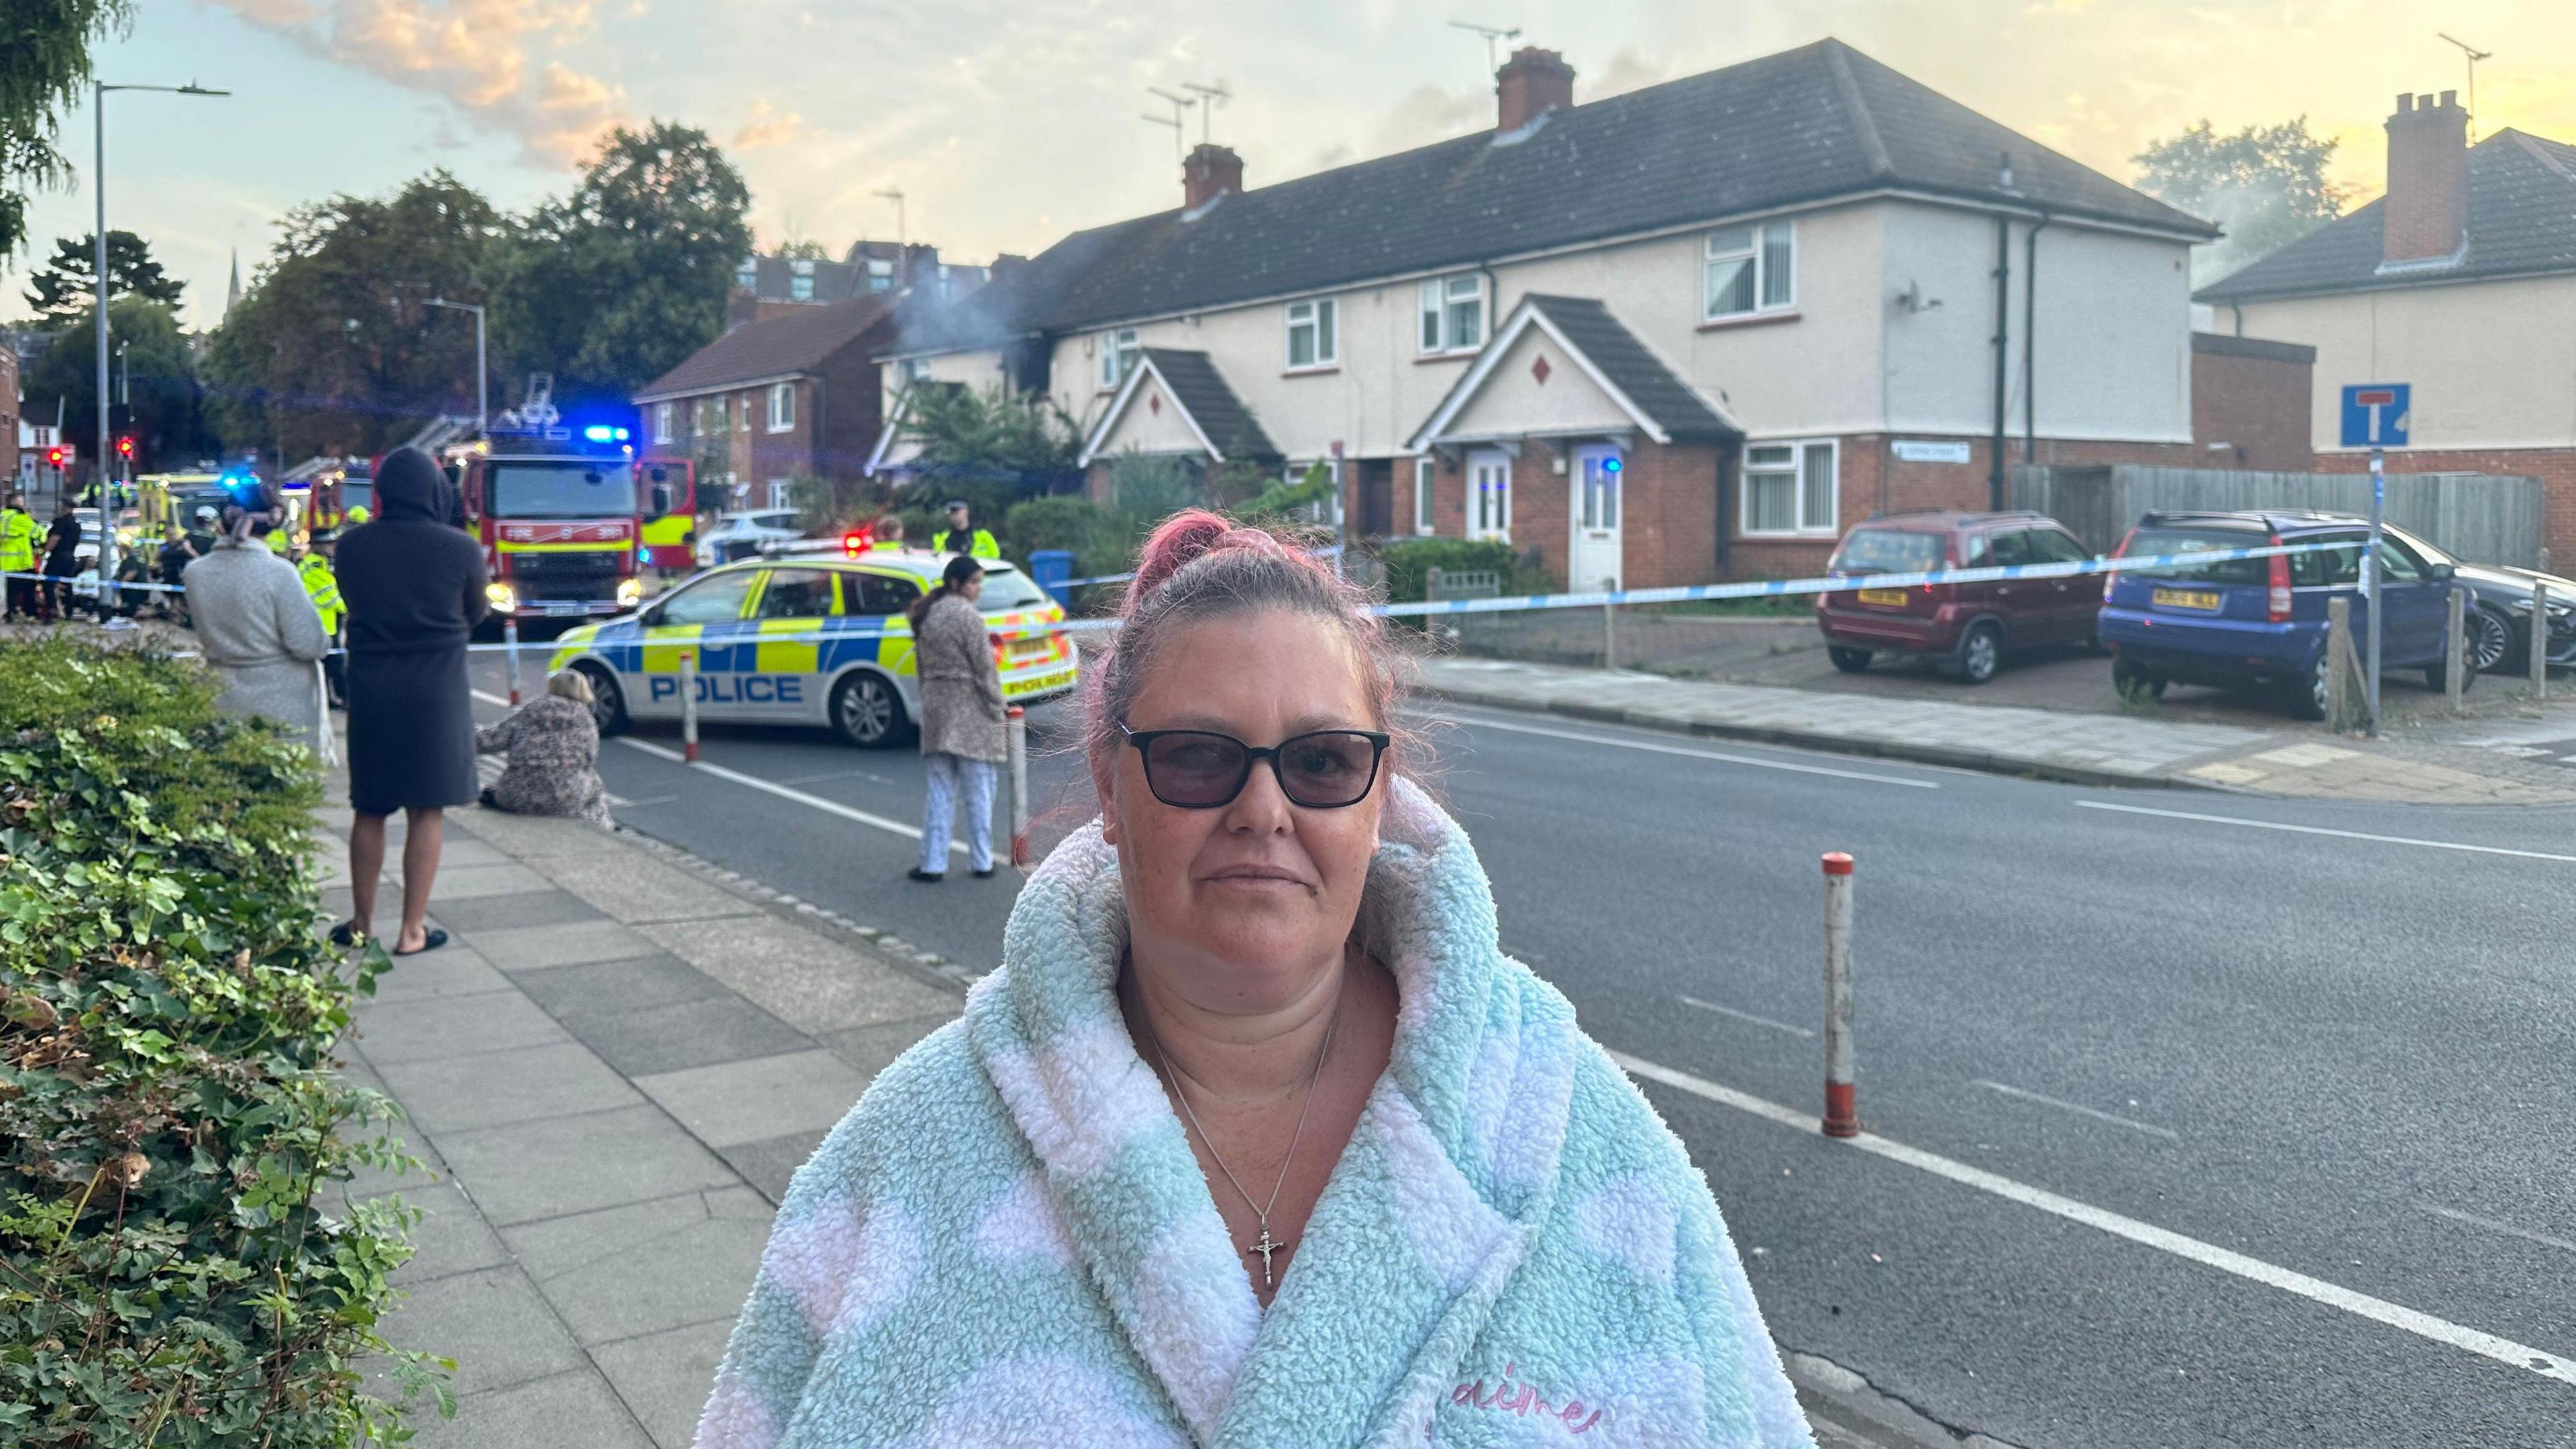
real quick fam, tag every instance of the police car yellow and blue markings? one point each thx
(769, 661)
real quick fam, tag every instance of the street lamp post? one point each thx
(482, 397)
(98, 187)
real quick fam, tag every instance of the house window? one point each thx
(1789, 488)
(778, 491)
(748, 278)
(880, 275)
(1117, 357)
(782, 406)
(800, 287)
(662, 412)
(1314, 334)
(916, 369)
(1453, 314)
(1423, 469)
(739, 409)
(1751, 269)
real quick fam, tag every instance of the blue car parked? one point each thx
(2261, 622)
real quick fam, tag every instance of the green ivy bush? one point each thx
(170, 1120)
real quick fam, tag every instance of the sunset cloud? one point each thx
(492, 59)
(767, 127)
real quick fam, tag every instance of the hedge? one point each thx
(1408, 560)
(170, 1120)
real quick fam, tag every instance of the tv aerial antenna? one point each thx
(1209, 98)
(1493, 35)
(1180, 105)
(2475, 55)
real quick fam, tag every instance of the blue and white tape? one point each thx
(1835, 584)
(1755, 589)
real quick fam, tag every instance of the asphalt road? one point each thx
(2337, 1067)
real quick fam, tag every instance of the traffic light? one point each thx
(58, 457)
(125, 448)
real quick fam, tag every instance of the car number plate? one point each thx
(1895, 597)
(2186, 599)
(1030, 648)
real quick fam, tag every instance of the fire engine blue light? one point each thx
(603, 433)
(1610, 465)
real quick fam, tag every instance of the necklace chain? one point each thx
(1265, 1245)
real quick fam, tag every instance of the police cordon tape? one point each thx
(1681, 593)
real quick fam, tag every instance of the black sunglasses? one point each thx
(1204, 770)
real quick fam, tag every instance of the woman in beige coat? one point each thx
(962, 735)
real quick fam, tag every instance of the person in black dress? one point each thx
(62, 561)
(413, 582)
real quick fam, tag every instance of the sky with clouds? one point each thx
(1007, 123)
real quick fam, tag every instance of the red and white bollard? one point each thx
(510, 643)
(1842, 1116)
(1019, 752)
(689, 706)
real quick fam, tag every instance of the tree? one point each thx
(44, 59)
(158, 366)
(63, 287)
(333, 350)
(2266, 185)
(612, 286)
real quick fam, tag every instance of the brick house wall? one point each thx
(2255, 397)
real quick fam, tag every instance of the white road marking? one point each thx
(1482, 723)
(2209, 1255)
(828, 807)
(502, 700)
(2167, 1133)
(1746, 1016)
(2493, 1226)
(2321, 830)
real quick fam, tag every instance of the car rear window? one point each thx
(1009, 589)
(1888, 551)
(2153, 542)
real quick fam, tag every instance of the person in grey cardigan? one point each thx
(257, 627)
(962, 735)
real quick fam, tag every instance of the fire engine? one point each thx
(559, 512)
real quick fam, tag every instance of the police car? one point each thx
(763, 631)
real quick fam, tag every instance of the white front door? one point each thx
(1489, 495)
(1592, 557)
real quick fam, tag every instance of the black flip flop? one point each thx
(430, 941)
(345, 938)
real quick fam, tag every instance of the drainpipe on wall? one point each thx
(2030, 340)
(2003, 337)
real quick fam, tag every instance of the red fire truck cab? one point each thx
(560, 520)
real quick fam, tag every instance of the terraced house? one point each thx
(1688, 332)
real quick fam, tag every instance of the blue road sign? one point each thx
(2374, 414)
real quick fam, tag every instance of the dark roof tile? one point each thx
(775, 346)
(2522, 220)
(1634, 369)
(1805, 125)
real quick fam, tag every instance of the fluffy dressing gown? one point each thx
(1008, 1242)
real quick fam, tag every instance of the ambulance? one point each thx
(766, 633)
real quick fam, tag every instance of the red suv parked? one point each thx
(1969, 627)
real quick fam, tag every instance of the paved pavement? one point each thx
(2084, 749)
(612, 1070)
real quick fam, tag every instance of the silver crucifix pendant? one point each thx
(1265, 1245)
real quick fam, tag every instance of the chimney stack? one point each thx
(2425, 216)
(1210, 172)
(1530, 84)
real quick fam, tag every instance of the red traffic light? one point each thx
(125, 447)
(57, 457)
